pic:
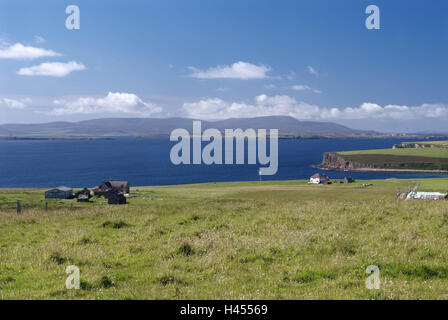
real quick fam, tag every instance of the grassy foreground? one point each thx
(269, 240)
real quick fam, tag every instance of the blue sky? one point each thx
(313, 60)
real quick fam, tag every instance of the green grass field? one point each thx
(269, 240)
(439, 144)
(435, 158)
(415, 152)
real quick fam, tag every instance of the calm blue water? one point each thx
(79, 163)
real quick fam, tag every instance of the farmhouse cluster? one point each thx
(114, 191)
(320, 178)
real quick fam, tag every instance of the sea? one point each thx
(146, 162)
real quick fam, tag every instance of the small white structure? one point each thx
(319, 178)
(426, 195)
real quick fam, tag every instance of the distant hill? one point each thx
(287, 126)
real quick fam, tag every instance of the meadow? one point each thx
(415, 152)
(248, 240)
(437, 144)
(431, 158)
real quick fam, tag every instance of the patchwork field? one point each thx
(269, 240)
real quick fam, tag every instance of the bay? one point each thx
(146, 161)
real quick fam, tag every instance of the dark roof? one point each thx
(118, 183)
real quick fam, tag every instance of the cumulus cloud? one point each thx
(52, 69)
(14, 103)
(312, 71)
(395, 112)
(283, 105)
(238, 70)
(114, 102)
(20, 52)
(262, 105)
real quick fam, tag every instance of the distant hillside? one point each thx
(287, 126)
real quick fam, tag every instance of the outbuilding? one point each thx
(349, 179)
(121, 186)
(107, 186)
(319, 178)
(61, 192)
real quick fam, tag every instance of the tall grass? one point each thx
(273, 240)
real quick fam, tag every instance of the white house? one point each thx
(426, 195)
(319, 178)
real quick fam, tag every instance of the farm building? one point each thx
(121, 186)
(61, 192)
(115, 197)
(83, 195)
(107, 186)
(319, 178)
(349, 180)
(104, 188)
(113, 191)
(426, 195)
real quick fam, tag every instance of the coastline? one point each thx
(382, 170)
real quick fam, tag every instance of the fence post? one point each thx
(71, 206)
(19, 207)
(46, 206)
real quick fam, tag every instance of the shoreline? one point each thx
(383, 170)
(304, 181)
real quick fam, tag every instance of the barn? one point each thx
(107, 186)
(349, 179)
(121, 186)
(61, 192)
(319, 178)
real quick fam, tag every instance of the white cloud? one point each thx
(127, 103)
(301, 87)
(15, 104)
(270, 86)
(39, 39)
(238, 70)
(263, 105)
(291, 76)
(20, 52)
(395, 112)
(312, 71)
(52, 69)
